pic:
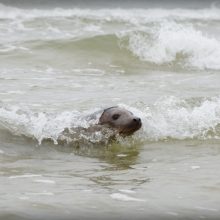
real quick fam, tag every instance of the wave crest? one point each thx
(171, 37)
(169, 117)
(41, 125)
(181, 119)
(174, 44)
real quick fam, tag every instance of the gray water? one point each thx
(59, 64)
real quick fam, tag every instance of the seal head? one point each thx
(120, 119)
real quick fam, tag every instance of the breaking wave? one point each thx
(176, 44)
(175, 37)
(168, 118)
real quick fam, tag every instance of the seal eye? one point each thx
(115, 116)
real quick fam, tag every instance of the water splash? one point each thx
(172, 43)
(176, 118)
(169, 117)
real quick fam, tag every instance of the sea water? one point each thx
(62, 62)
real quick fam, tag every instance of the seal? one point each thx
(103, 126)
(121, 120)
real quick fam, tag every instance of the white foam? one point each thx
(122, 155)
(42, 125)
(10, 48)
(175, 118)
(24, 176)
(44, 181)
(127, 191)
(15, 92)
(172, 117)
(195, 167)
(171, 42)
(158, 36)
(169, 117)
(125, 198)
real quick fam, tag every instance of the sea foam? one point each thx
(176, 37)
(169, 117)
(170, 42)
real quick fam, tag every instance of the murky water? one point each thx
(58, 65)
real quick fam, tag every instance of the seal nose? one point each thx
(137, 120)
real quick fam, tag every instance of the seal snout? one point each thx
(137, 120)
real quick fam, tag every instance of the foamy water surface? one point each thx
(60, 65)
